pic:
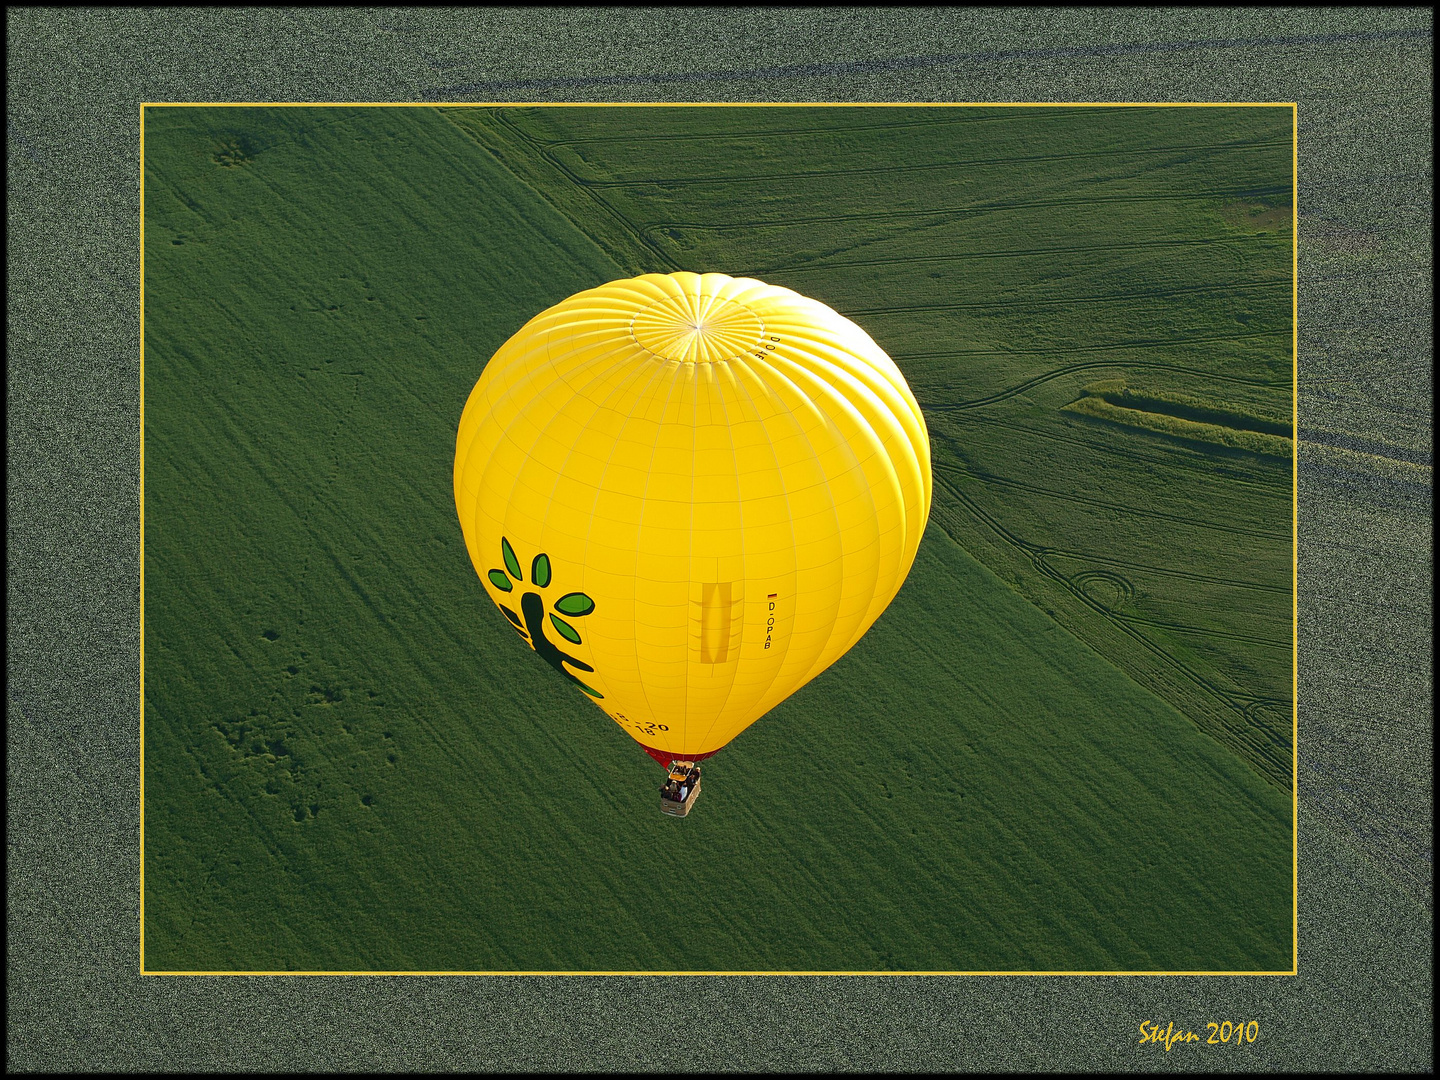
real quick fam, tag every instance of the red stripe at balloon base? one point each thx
(664, 757)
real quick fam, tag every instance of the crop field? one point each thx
(1065, 746)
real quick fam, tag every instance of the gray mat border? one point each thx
(75, 1001)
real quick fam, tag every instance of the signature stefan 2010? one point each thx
(1224, 1032)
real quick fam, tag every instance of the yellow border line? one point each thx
(1295, 526)
(719, 104)
(142, 539)
(1295, 487)
(796, 974)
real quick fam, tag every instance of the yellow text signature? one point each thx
(1223, 1032)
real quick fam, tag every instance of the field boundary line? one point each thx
(722, 104)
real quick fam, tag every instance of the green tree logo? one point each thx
(532, 627)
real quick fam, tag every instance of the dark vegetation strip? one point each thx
(1188, 408)
(1375, 483)
(1165, 423)
(1129, 454)
(846, 69)
(1373, 447)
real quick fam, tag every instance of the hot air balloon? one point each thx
(690, 494)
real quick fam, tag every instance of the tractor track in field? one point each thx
(976, 208)
(1243, 706)
(915, 230)
(1069, 301)
(1161, 624)
(1015, 253)
(1129, 454)
(627, 226)
(1100, 504)
(1034, 554)
(842, 174)
(1071, 369)
(1121, 587)
(946, 120)
(1142, 343)
(1083, 556)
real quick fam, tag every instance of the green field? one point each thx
(1066, 745)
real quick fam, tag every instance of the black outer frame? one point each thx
(75, 998)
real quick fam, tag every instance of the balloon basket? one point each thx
(681, 788)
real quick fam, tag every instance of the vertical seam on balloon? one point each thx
(760, 423)
(658, 370)
(856, 369)
(530, 377)
(815, 667)
(530, 401)
(570, 453)
(515, 481)
(917, 446)
(771, 400)
(740, 510)
(904, 555)
(703, 304)
(490, 464)
(590, 523)
(505, 435)
(574, 444)
(692, 375)
(660, 431)
(640, 525)
(500, 373)
(700, 308)
(856, 463)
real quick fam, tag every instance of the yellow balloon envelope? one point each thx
(691, 494)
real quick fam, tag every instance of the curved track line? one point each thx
(1160, 624)
(626, 225)
(1070, 369)
(1274, 767)
(979, 208)
(1259, 483)
(1104, 298)
(1159, 515)
(1081, 556)
(1017, 253)
(842, 174)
